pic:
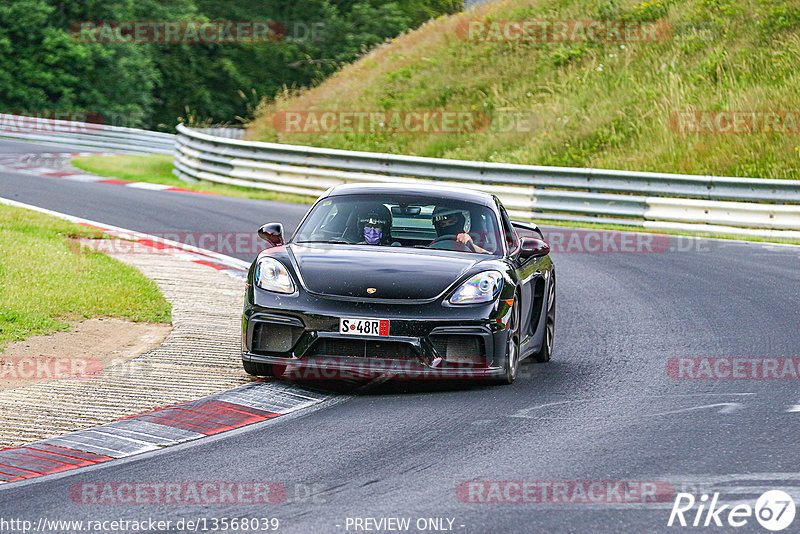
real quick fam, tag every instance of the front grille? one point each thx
(274, 337)
(360, 348)
(459, 348)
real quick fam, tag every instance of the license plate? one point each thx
(363, 327)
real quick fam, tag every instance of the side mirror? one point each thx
(531, 247)
(272, 233)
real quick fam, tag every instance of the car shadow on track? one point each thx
(529, 371)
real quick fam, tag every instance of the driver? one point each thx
(451, 222)
(375, 226)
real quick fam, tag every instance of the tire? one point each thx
(262, 369)
(512, 347)
(546, 351)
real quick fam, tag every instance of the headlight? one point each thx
(483, 287)
(272, 275)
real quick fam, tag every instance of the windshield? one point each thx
(402, 221)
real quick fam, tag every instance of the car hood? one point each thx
(393, 273)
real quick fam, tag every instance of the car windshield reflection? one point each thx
(402, 221)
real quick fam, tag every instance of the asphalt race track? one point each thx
(7, 146)
(605, 409)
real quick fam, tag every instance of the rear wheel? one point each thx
(262, 369)
(512, 347)
(546, 351)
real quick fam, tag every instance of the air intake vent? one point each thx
(459, 348)
(274, 337)
(358, 348)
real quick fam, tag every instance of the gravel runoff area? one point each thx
(200, 356)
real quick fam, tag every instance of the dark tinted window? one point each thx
(412, 222)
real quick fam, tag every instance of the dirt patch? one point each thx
(91, 348)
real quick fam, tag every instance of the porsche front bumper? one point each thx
(425, 341)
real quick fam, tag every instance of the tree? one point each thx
(45, 68)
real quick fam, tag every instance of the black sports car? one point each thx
(410, 281)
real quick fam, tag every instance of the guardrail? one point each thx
(86, 135)
(230, 133)
(744, 206)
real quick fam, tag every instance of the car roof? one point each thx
(442, 191)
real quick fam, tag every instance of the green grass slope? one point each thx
(47, 280)
(603, 105)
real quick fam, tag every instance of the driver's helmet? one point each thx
(448, 221)
(375, 225)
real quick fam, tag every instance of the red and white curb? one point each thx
(238, 407)
(21, 163)
(251, 403)
(232, 266)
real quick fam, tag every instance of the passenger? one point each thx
(375, 226)
(451, 222)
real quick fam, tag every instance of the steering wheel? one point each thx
(450, 242)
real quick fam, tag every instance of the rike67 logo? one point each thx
(774, 511)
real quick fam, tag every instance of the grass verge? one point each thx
(577, 103)
(47, 280)
(157, 169)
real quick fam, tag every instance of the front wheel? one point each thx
(546, 351)
(512, 347)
